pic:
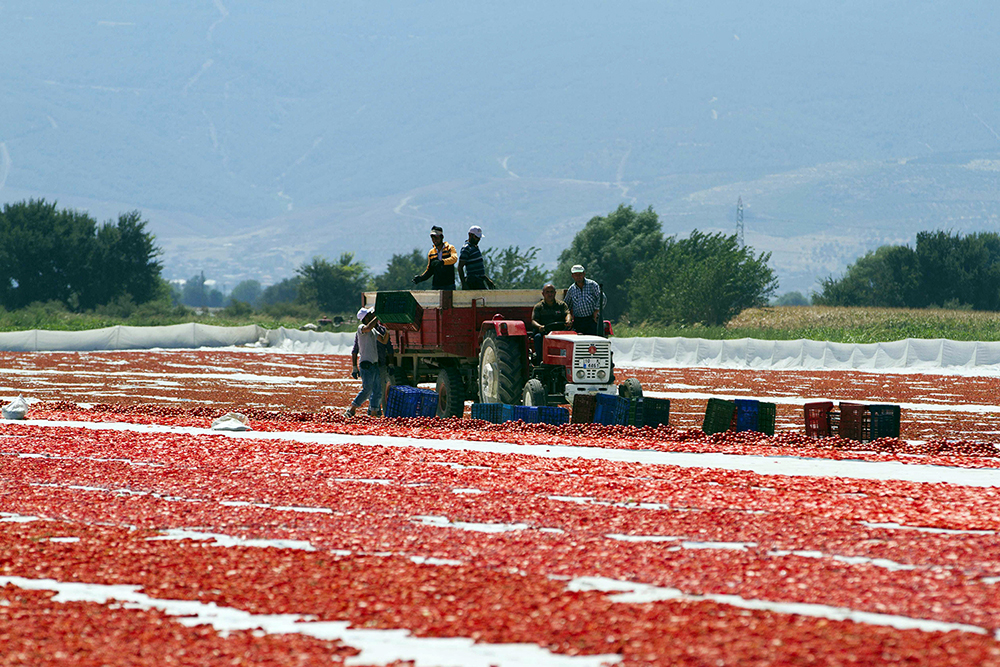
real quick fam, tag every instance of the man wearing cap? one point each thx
(585, 300)
(441, 260)
(471, 266)
(367, 353)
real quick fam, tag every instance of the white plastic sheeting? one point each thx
(175, 336)
(941, 355)
(908, 354)
(311, 342)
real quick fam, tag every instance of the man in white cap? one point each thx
(367, 355)
(585, 301)
(471, 266)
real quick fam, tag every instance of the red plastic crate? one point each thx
(818, 419)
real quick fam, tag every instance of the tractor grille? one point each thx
(585, 361)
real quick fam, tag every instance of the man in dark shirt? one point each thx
(471, 266)
(547, 316)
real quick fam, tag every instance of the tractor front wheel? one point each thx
(451, 392)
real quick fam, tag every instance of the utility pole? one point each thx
(739, 221)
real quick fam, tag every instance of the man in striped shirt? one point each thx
(583, 297)
(471, 266)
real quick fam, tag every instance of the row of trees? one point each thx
(944, 269)
(52, 255)
(705, 278)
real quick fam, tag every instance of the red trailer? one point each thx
(476, 344)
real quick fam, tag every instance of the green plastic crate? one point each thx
(765, 417)
(718, 415)
(399, 308)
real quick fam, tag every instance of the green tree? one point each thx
(45, 254)
(333, 287)
(887, 277)
(286, 291)
(198, 294)
(509, 268)
(705, 278)
(399, 272)
(792, 299)
(610, 248)
(248, 292)
(125, 263)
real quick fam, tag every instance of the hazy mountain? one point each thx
(254, 135)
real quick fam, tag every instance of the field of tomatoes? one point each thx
(130, 533)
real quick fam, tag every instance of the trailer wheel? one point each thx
(631, 388)
(451, 393)
(534, 393)
(501, 370)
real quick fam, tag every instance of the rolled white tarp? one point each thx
(909, 354)
(177, 336)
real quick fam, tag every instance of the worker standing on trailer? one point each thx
(441, 260)
(585, 301)
(471, 265)
(365, 364)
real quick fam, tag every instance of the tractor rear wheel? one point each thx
(451, 392)
(501, 370)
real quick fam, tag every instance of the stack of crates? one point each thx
(553, 414)
(718, 416)
(747, 414)
(865, 423)
(491, 412)
(765, 417)
(655, 411)
(817, 415)
(584, 407)
(405, 401)
(610, 409)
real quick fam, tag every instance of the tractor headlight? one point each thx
(580, 374)
(601, 374)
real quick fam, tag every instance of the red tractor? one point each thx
(475, 344)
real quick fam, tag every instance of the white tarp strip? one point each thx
(791, 466)
(915, 354)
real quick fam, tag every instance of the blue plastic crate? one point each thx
(506, 413)
(403, 401)
(526, 413)
(428, 403)
(491, 412)
(608, 409)
(747, 411)
(553, 414)
(406, 401)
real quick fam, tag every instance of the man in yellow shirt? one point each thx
(441, 260)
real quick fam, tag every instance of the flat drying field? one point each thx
(131, 533)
